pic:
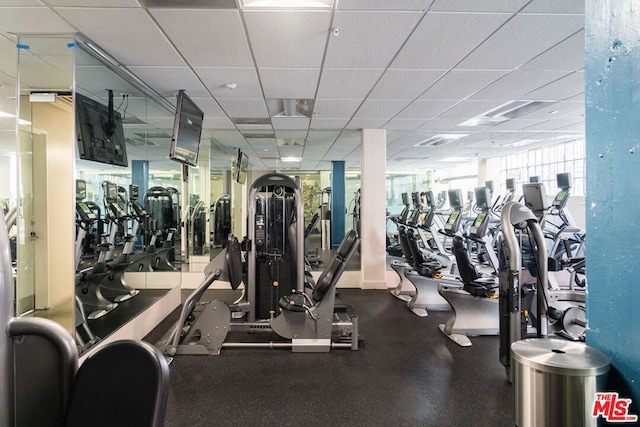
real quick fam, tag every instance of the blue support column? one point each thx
(338, 207)
(140, 176)
(612, 74)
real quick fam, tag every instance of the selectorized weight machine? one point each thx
(279, 296)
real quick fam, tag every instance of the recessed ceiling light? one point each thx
(456, 159)
(285, 4)
(291, 159)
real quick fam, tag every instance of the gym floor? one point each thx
(406, 374)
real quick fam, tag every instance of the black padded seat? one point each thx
(421, 265)
(125, 383)
(474, 282)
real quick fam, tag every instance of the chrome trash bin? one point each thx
(556, 381)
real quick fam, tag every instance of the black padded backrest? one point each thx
(404, 244)
(412, 240)
(311, 225)
(468, 272)
(234, 261)
(125, 383)
(332, 273)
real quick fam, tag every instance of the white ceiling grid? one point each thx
(413, 67)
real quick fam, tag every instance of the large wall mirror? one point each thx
(103, 214)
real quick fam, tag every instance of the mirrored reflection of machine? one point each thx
(220, 220)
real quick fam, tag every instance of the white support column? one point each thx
(373, 209)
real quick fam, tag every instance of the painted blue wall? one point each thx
(338, 207)
(612, 74)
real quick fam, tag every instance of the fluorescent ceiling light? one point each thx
(288, 4)
(521, 143)
(456, 159)
(440, 139)
(291, 159)
(481, 121)
(507, 111)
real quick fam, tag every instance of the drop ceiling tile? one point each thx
(468, 108)
(566, 56)
(285, 123)
(169, 80)
(347, 83)
(289, 83)
(515, 124)
(478, 5)
(92, 3)
(556, 124)
(404, 84)
(209, 107)
(217, 123)
(364, 32)
(129, 35)
(459, 84)
(418, 5)
(425, 109)
(515, 84)
(244, 108)
(381, 109)
(403, 124)
(335, 109)
(424, 49)
(322, 137)
(554, 6)
(227, 137)
(520, 40)
(576, 127)
(440, 124)
(566, 87)
(328, 123)
(559, 109)
(245, 79)
(207, 38)
(299, 35)
(366, 123)
(31, 20)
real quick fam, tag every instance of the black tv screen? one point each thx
(100, 135)
(511, 184)
(187, 129)
(415, 198)
(405, 199)
(241, 168)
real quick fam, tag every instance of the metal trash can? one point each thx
(556, 382)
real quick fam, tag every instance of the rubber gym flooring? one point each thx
(406, 374)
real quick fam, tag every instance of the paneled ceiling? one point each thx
(430, 72)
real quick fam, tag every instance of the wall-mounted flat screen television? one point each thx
(99, 132)
(187, 129)
(241, 168)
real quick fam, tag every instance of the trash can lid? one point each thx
(560, 357)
